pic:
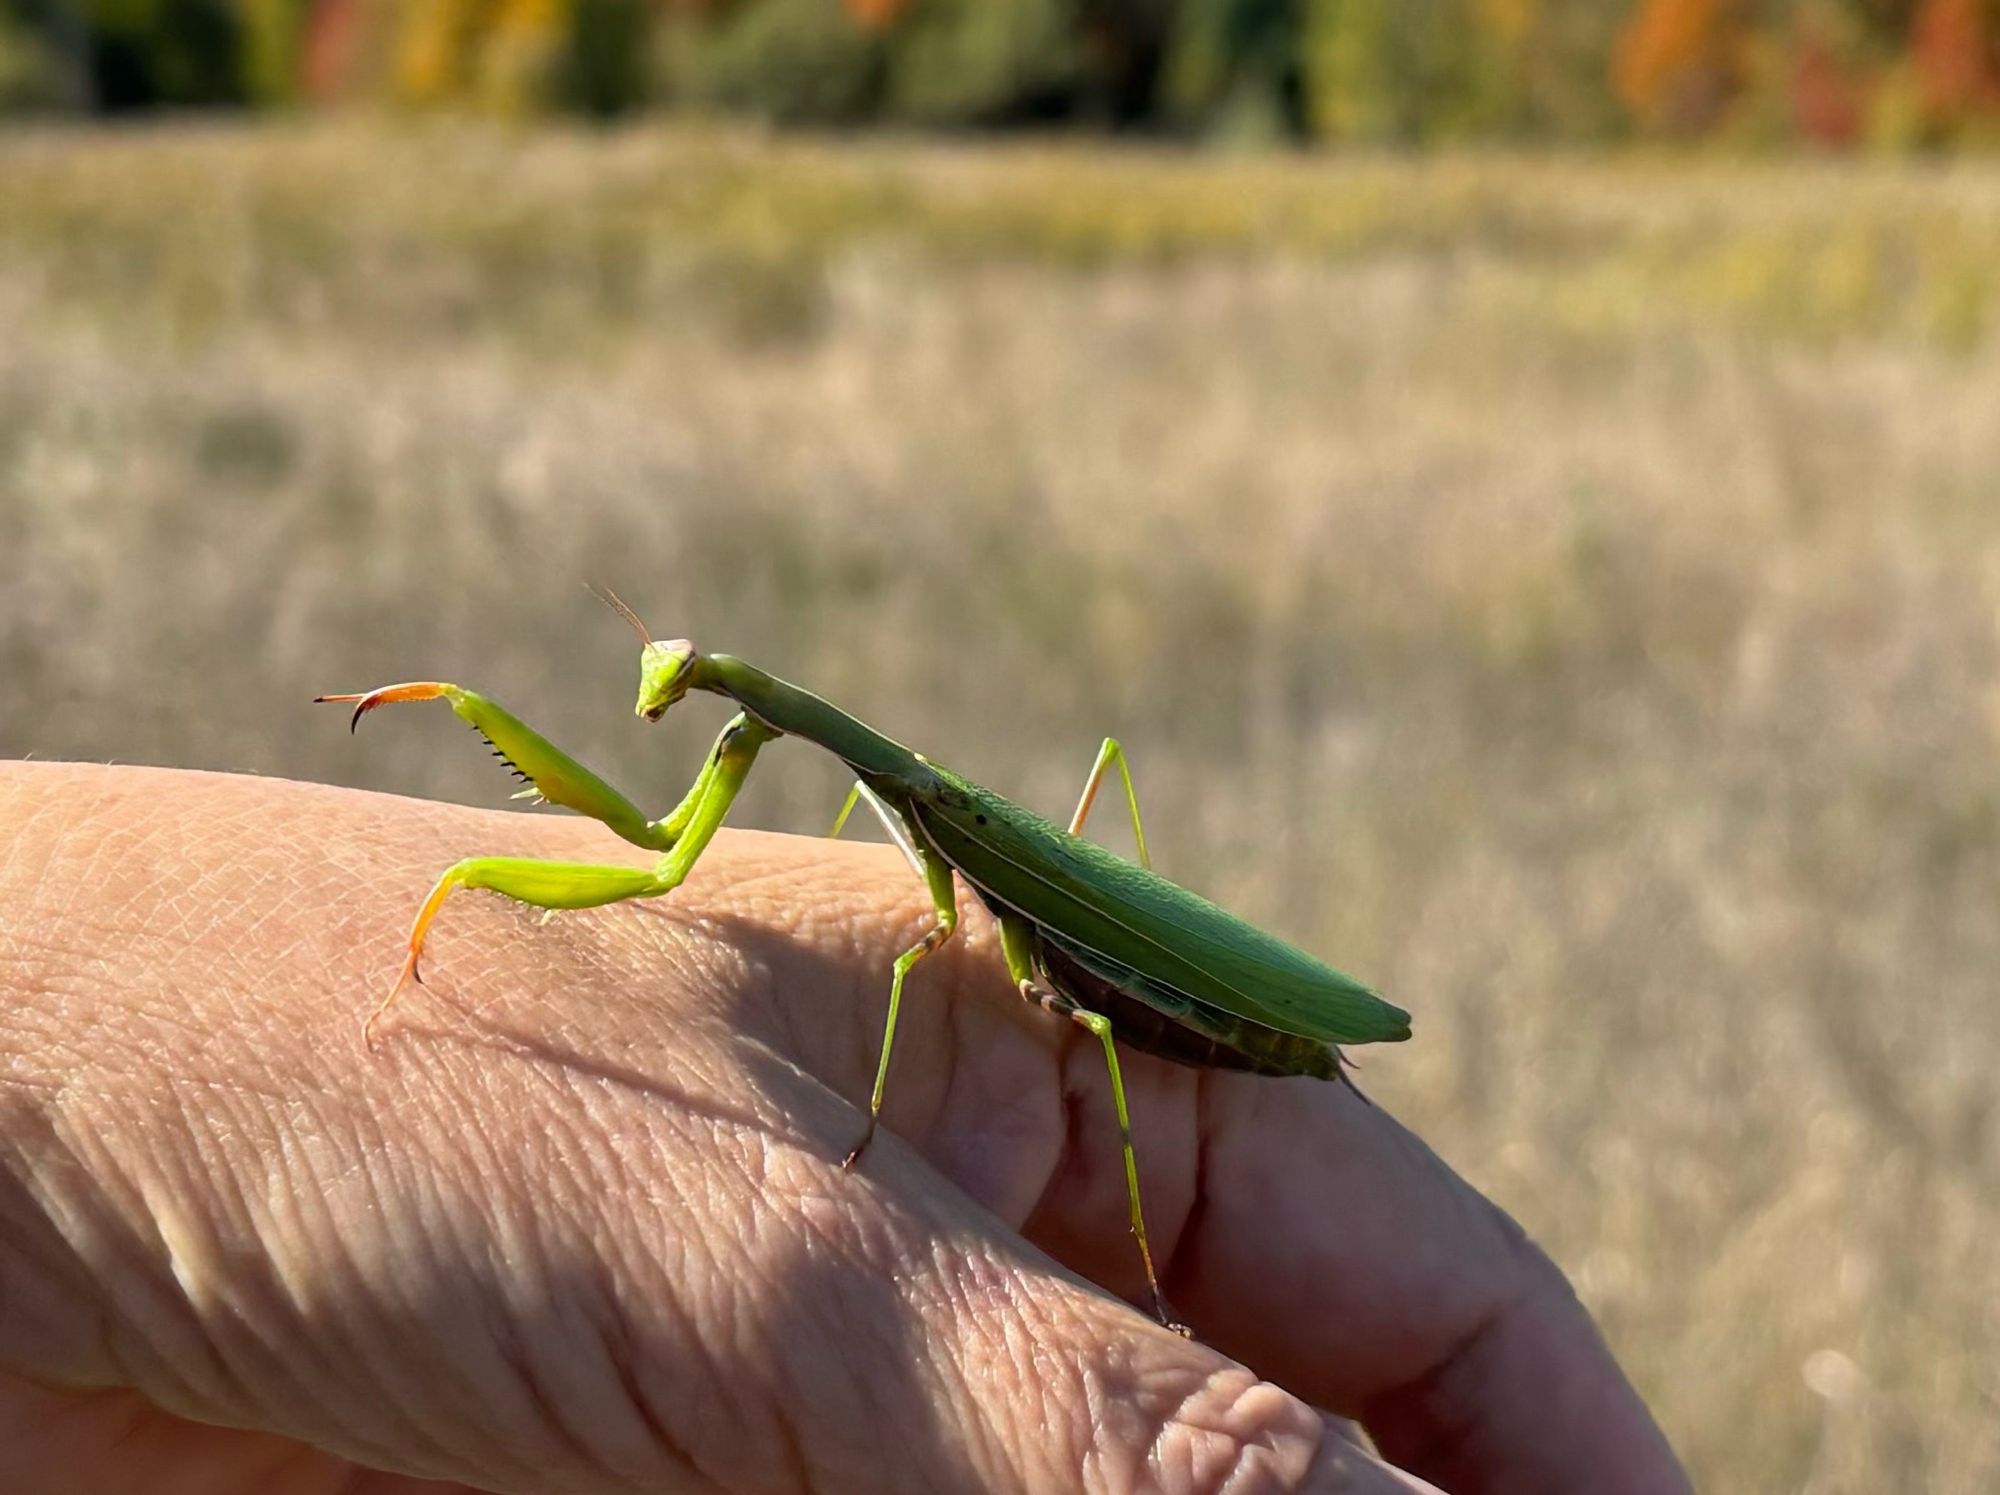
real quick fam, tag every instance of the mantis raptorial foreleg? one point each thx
(549, 771)
(683, 834)
(1017, 944)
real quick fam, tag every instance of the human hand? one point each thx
(581, 1224)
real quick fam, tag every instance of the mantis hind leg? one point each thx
(944, 899)
(1108, 756)
(1100, 1025)
(1017, 943)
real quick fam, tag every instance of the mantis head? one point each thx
(666, 666)
(666, 670)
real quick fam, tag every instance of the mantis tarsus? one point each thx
(1086, 934)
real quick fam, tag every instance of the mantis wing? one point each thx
(1088, 897)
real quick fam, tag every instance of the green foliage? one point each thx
(148, 53)
(792, 61)
(1569, 95)
(36, 71)
(603, 70)
(1232, 66)
(1385, 70)
(273, 36)
(1423, 71)
(936, 62)
(969, 61)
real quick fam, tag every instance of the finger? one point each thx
(1532, 1401)
(1334, 1251)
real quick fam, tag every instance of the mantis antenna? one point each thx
(617, 604)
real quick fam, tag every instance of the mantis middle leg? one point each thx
(936, 873)
(944, 899)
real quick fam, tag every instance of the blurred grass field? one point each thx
(1563, 591)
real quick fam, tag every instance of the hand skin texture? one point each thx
(580, 1224)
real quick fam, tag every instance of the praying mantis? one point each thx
(1087, 935)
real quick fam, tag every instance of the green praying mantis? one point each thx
(1087, 935)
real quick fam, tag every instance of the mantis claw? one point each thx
(847, 1164)
(408, 974)
(367, 700)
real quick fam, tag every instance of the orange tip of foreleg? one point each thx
(366, 701)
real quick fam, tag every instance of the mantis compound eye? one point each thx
(666, 668)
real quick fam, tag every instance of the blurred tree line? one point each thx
(1836, 72)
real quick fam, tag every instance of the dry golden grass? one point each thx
(1564, 592)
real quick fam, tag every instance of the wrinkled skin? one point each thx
(580, 1224)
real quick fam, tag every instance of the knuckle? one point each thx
(1230, 1434)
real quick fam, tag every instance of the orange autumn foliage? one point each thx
(1829, 105)
(1953, 45)
(1678, 63)
(875, 15)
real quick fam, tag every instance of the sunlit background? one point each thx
(1523, 479)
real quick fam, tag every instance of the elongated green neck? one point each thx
(801, 713)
